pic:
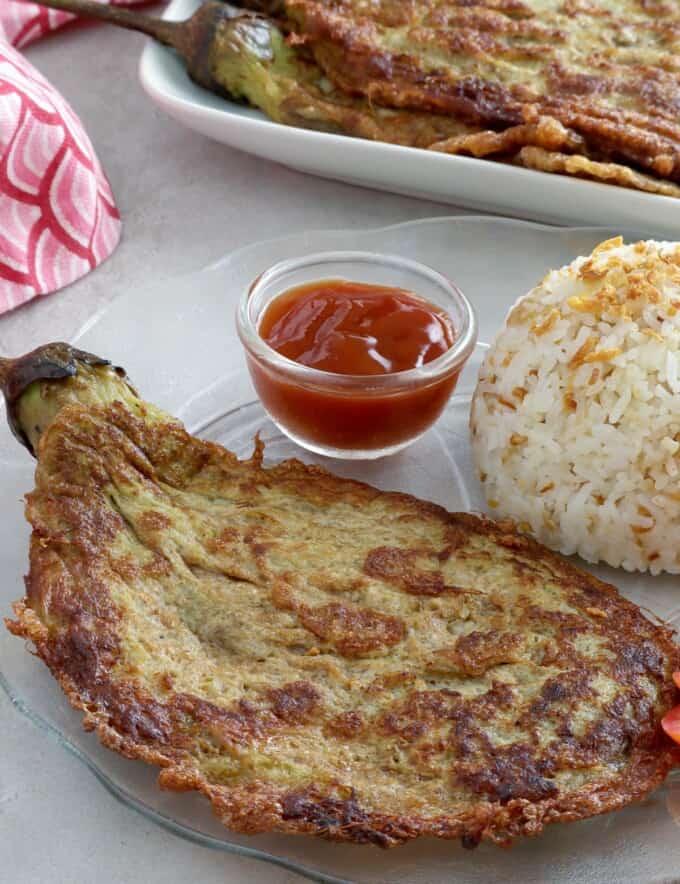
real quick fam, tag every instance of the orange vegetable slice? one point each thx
(671, 724)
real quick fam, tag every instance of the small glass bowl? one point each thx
(358, 417)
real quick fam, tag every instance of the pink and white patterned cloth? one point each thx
(58, 219)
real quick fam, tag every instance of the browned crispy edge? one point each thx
(127, 720)
(345, 51)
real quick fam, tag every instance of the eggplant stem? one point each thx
(51, 362)
(171, 33)
(5, 366)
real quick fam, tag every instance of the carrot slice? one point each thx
(676, 678)
(671, 724)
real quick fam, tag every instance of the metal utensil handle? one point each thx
(167, 32)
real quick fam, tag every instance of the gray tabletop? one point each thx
(185, 201)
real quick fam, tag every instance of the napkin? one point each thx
(58, 219)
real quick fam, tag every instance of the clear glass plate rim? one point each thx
(444, 220)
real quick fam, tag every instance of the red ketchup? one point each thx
(351, 328)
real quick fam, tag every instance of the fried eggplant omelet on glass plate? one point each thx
(314, 655)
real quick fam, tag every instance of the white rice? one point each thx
(576, 417)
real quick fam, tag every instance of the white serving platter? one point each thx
(462, 181)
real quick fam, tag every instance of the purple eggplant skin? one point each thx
(192, 38)
(50, 362)
(243, 54)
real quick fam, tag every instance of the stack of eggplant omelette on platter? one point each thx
(588, 88)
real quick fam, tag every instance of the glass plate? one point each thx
(179, 345)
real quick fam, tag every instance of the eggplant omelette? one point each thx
(314, 655)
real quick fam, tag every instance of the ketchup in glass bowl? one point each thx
(354, 354)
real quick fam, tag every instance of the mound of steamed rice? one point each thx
(576, 417)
